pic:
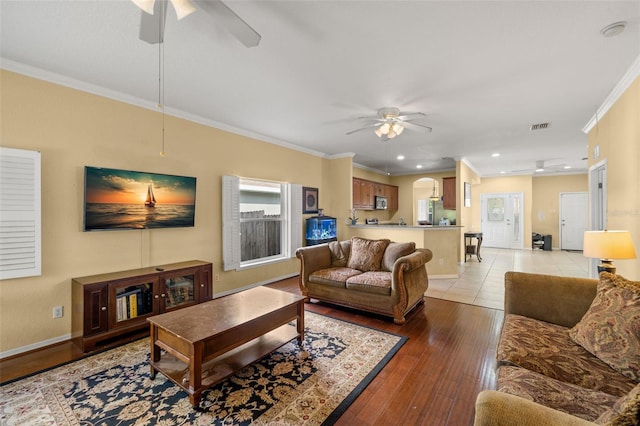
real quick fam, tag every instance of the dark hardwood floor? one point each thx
(433, 380)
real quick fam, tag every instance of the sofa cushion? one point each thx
(394, 252)
(610, 329)
(339, 253)
(378, 282)
(336, 277)
(547, 349)
(366, 255)
(625, 412)
(572, 399)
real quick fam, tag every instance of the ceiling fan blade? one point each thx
(416, 126)
(232, 22)
(365, 128)
(408, 115)
(152, 26)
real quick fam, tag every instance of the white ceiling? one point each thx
(482, 71)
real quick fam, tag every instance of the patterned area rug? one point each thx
(293, 386)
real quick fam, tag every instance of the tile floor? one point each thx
(482, 283)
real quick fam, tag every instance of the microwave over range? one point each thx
(381, 203)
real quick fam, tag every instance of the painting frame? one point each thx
(467, 194)
(309, 200)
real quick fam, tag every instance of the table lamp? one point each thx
(607, 245)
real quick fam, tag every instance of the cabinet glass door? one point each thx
(132, 301)
(179, 290)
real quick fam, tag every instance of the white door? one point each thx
(501, 221)
(573, 219)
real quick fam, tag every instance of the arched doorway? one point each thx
(426, 192)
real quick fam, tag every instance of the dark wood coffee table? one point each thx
(208, 342)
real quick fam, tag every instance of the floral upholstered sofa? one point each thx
(378, 276)
(569, 353)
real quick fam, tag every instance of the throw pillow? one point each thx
(395, 251)
(625, 412)
(338, 257)
(366, 255)
(610, 329)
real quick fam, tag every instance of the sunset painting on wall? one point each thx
(125, 199)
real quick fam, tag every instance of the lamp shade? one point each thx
(608, 245)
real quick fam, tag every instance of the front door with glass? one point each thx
(502, 224)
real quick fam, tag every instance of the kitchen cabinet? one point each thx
(365, 192)
(449, 193)
(114, 307)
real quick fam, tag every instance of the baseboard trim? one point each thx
(34, 346)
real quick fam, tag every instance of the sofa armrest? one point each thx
(549, 298)
(312, 258)
(412, 261)
(495, 408)
(409, 280)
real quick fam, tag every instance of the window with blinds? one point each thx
(20, 214)
(261, 221)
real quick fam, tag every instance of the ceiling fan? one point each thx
(391, 122)
(154, 14)
(541, 167)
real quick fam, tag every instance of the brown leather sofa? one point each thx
(377, 276)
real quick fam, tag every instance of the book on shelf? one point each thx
(127, 305)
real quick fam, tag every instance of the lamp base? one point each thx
(606, 265)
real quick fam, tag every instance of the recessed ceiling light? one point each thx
(613, 29)
(502, 172)
(495, 154)
(567, 167)
(419, 166)
(400, 157)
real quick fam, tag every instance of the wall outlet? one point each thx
(216, 277)
(57, 311)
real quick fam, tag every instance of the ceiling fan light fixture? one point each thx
(183, 8)
(145, 5)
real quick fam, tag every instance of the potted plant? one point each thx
(353, 218)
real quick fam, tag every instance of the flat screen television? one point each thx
(125, 199)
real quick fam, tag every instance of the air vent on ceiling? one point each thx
(539, 126)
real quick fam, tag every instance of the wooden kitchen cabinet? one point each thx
(449, 193)
(365, 192)
(113, 308)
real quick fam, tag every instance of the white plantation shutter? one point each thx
(230, 222)
(295, 217)
(20, 214)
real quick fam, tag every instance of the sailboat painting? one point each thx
(124, 199)
(151, 200)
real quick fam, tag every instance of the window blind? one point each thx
(20, 214)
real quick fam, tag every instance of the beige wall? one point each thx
(546, 202)
(73, 129)
(618, 136)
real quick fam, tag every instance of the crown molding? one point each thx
(83, 86)
(627, 79)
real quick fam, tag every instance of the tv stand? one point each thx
(112, 309)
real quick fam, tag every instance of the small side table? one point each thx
(470, 248)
